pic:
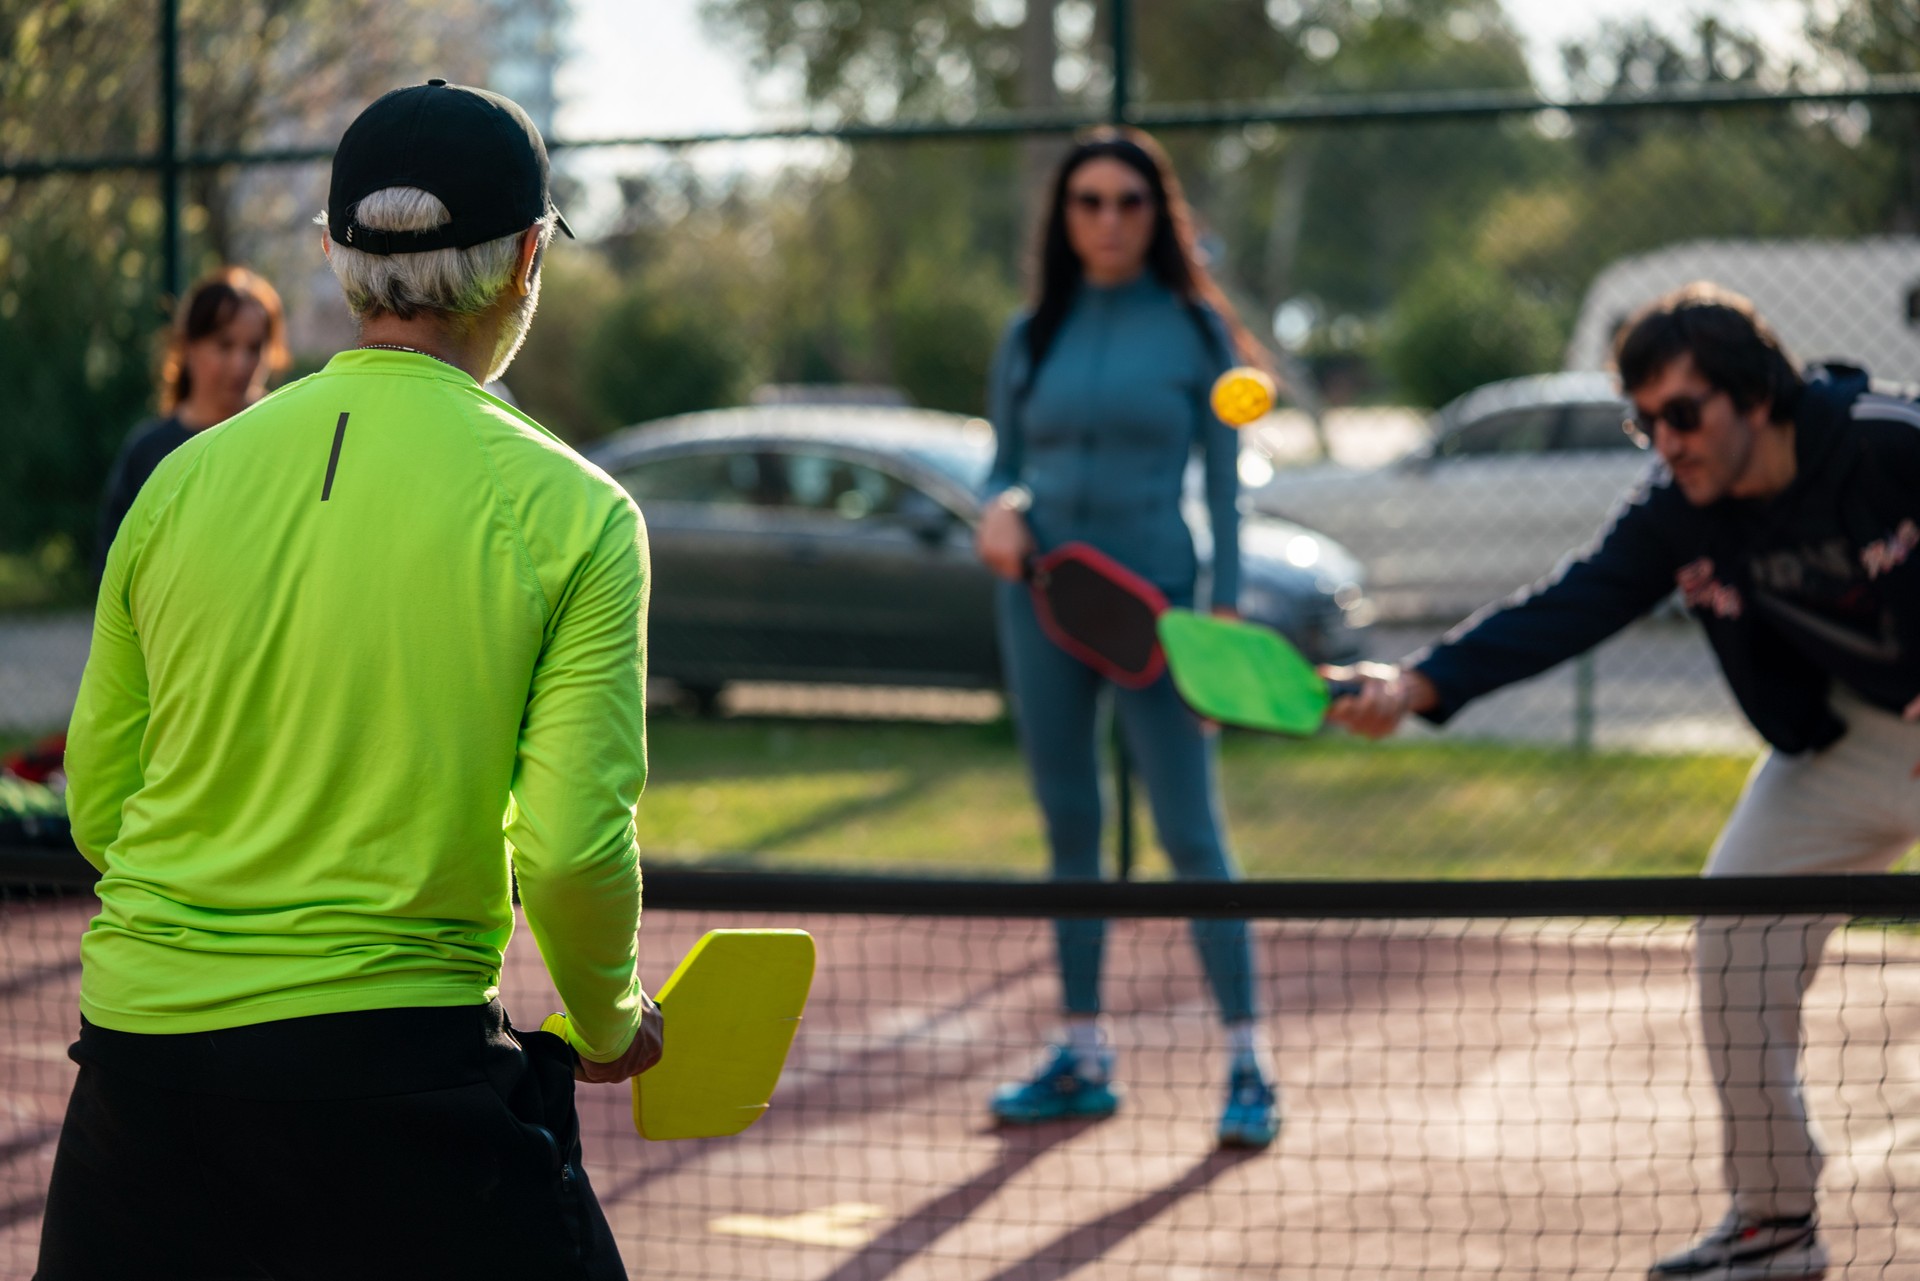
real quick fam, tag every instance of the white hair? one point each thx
(460, 283)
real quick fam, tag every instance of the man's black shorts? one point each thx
(407, 1143)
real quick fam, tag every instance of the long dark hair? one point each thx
(205, 311)
(1171, 255)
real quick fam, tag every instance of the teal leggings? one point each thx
(1058, 703)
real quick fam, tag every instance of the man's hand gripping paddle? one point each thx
(1240, 673)
(731, 1009)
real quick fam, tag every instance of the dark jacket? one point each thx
(145, 448)
(1816, 584)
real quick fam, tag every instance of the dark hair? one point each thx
(1732, 347)
(208, 307)
(1171, 256)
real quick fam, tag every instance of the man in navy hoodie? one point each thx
(1788, 516)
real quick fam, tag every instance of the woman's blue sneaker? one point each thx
(1249, 1120)
(1067, 1087)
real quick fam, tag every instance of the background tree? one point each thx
(1412, 258)
(1879, 37)
(80, 304)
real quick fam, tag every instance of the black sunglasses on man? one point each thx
(1682, 413)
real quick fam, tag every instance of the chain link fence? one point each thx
(1439, 280)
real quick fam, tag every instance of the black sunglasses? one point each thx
(1682, 413)
(1093, 202)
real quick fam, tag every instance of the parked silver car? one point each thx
(1516, 475)
(835, 543)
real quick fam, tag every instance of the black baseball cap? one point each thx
(474, 150)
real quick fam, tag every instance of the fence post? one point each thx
(1122, 64)
(1123, 801)
(170, 256)
(1583, 682)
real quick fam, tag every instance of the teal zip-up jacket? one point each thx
(1102, 436)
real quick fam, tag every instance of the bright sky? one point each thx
(649, 67)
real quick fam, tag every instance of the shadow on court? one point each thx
(1090, 1242)
(1473, 1101)
(911, 1234)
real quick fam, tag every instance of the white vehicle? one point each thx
(1855, 301)
(1517, 475)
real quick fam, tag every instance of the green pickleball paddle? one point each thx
(1240, 673)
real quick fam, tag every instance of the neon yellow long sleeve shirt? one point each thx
(342, 639)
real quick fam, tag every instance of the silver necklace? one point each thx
(394, 346)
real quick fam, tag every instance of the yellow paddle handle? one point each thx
(562, 1026)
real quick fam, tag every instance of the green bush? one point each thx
(576, 289)
(944, 326)
(1459, 325)
(76, 373)
(649, 357)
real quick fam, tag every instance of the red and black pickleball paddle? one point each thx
(1099, 611)
(1227, 670)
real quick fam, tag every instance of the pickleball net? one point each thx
(1481, 1080)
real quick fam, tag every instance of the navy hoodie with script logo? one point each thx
(1816, 584)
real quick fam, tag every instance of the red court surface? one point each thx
(1463, 1100)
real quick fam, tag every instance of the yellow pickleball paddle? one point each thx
(731, 1009)
(1243, 395)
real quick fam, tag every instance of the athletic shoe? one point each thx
(1249, 1120)
(1067, 1087)
(1749, 1250)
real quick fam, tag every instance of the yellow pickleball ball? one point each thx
(1242, 395)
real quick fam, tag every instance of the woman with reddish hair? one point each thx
(228, 335)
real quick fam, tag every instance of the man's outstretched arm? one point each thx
(1627, 573)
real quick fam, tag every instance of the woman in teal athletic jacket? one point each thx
(1099, 399)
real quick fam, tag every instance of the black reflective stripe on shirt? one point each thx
(333, 459)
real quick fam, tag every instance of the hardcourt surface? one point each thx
(1463, 1101)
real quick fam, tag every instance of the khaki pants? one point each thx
(1854, 807)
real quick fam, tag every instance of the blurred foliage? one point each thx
(1460, 324)
(1360, 226)
(1881, 37)
(1424, 257)
(82, 77)
(886, 268)
(77, 314)
(576, 289)
(944, 322)
(80, 295)
(654, 355)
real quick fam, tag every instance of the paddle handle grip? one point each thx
(1343, 689)
(562, 1027)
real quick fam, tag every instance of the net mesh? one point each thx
(1468, 1095)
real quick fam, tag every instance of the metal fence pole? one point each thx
(1123, 801)
(1583, 693)
(171, 265)
(1122, 64)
